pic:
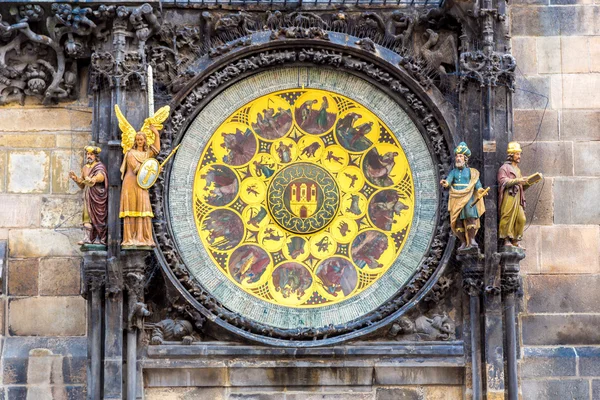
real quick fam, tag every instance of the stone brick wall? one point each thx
(43, 318)
(557, 45)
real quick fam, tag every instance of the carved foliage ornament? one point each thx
(204, 89)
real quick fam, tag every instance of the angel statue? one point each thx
(136, 209)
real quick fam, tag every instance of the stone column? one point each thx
(93, 279)
(510, 257)
(472, 276)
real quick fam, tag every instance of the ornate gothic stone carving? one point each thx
(172, 330)
(438, 327)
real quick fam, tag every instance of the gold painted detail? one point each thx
(303, 198)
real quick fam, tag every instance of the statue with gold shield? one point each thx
(139, 171)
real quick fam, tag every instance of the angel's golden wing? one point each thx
(128, 132)
(157, 119)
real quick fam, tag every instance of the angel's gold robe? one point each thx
(135, 201)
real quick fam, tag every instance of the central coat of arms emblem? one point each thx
(303, 198)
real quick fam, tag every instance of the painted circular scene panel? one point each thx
(303, 198)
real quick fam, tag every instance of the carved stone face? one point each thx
(90, 157)
(140, 141)
(459, 161)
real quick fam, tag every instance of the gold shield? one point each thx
(148, 173)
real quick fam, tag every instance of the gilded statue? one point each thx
(465, 204)
(138, 147)
(94, 182)
(511, 196)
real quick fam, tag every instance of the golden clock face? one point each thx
(303, 198)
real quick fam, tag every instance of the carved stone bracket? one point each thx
(93, 272)
(135, 280)
(510, 258)
(472, 272)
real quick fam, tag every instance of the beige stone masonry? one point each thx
(527, 123)
(47, 316)
(570, 249)
(44, 242)
(3, 156)
(580, 125)
(587, 159)
(44, 141)
(61, 211)
(20, 119)
(524, 50)
(548, 55)
(580, 91)
(74, 141)
(532, 243)
(59, 276)
(28, 172)
(22, 211)
(62, 163)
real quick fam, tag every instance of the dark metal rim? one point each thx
(391, 79)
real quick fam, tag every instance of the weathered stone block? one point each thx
(534, 21)
(574, 200)
(595, 54)
(539, 208)
(43, 243)
(560, 329)
(300, 376)
(589, 361)
(307, 396)
(43, 141)
(19, 211)
(548, 54)
(28, 171)
(64, 211)
(574, 54)
(418, 376)
(586, 159)
(580, 125)
(199, 377)
(45, 119)
(580, 91)
(17, 351)
(185, 393)
(524, 50)
(443, 392)
(570, 249)
(3, 157)
(556, 389)
(527, 125)
(62, 163)
(23, 277)
(543, 362)
(59, 276)
(562, 293)
(550, 158)
(532, 242)
(73, 141)
(596, 389)
(47, 316)
(397, 394)
(528, 98)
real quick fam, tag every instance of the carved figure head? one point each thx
(140, 141)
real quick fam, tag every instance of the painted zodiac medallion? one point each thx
(303, 198)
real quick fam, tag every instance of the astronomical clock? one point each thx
(301, 200)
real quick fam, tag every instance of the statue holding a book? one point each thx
(511, 196)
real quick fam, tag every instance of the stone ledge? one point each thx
(366, 350)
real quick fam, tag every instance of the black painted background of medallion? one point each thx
(425, 109)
